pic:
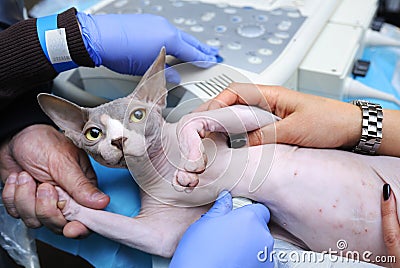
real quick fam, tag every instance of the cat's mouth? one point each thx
(120, 163)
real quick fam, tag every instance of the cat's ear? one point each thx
(66, 115)
(152, 86)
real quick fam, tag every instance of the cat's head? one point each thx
(125, 126)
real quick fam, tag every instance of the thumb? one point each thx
(279, 132)
(222, 206)
(79, 186)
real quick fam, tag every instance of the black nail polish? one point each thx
(386, 191)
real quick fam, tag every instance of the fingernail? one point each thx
(22, 178)
(97, 196)
(42, 193)
(386, 192)
(12, 179)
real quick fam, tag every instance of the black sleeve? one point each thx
(25, 70)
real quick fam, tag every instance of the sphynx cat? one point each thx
(316, 196)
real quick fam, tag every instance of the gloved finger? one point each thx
(172, 75)
(193, 41)
(75, 229)
(25, 196)
(8, 195)
(222, 206)
(190, 54)
(261, 211)
(46, 208)
(69, 175)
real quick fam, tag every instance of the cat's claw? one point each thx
(185, 181)
(67, 205)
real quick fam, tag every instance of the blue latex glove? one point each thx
(129, 43)
(227, 238)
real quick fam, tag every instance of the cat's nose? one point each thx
(118, 142)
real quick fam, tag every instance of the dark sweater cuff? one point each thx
(76, 46)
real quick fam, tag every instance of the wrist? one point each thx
(77, 48)
(90, 36)
(371, 127)
(352, 125)
(61, 41)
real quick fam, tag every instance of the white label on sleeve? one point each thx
(56, 42)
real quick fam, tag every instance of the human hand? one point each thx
(390, 225)
(129, 43)
(308, 120)
(226, 238)
(40, 153)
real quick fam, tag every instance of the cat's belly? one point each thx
(319, 196)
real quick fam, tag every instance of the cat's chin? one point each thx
(117, 164)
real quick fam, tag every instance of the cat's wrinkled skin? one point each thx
(316, 197)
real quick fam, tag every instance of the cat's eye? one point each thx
(93, 134)
(137, 115)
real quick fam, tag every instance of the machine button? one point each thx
(282, 35)
(251, 30)
(261, 18)
(284, 25)
(197, 28)
(179, 20)
(236, 19)
(230, 10)
(190, 22)
(276, 12)
(254, 60)
(213, 42)
(265, 51)
(220, 29)
(208, 16)
(275, 40)
(234, 45)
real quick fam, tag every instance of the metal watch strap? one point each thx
(371, 132)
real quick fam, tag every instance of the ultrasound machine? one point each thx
(307, 45)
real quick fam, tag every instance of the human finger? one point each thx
(79, 181)
(46, 208)
(8, 195)
(223, 99)
(189, 53)
(278, 132)
(75, 229)
(25, 196)
(390, 223)
(243, 93)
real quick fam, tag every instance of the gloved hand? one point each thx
(129, 43)
(226, 238)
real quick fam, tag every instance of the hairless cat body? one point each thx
(316, 196)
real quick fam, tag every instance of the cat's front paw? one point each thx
(193, 157)
(69, 208)
(185, 181)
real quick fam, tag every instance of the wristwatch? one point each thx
(371, 132)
